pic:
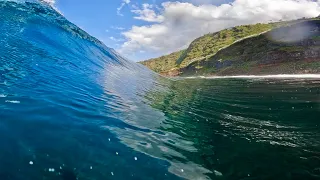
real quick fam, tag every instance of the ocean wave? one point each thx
(86, 111)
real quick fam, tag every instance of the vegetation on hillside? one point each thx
(208, 45)
(265, 55)
(163, 63)
(211, 43)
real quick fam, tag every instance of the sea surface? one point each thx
(72, 108)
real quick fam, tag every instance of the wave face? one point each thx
(72, 108)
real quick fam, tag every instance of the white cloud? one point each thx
(147, 14)
(124, 2)
(116, 39)
(145, 36)
(200, 2)
(117, 28)
(177, 24)
(133, 6)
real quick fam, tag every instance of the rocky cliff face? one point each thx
(286, 50)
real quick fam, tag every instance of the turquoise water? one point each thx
(72, 108)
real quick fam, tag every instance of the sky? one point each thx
(143, 29)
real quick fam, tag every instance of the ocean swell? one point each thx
(70, 108)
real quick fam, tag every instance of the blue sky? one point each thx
(101, 19)
(97, 17)
(142, 29)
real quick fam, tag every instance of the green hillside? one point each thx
(283, 50)
(207, 46)
(211, 43)
(163, 63)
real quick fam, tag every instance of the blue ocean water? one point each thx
(72, 108)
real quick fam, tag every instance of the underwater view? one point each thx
(72, 108)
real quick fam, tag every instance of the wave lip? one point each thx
(278, 76)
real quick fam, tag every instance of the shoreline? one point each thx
(278, 76)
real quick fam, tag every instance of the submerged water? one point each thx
(71, 108)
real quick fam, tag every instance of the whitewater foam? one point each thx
(278, 76)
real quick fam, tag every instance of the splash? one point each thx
(294, 33)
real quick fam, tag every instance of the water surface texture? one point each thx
(72, 108)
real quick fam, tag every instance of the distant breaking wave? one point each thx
(278, 76)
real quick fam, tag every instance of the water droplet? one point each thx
(112, 173)
(30, 162)
(135, 158)
(117, 153)
(90, 167)
(109, 139)
(182, 170)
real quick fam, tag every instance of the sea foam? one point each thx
(278, 76)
